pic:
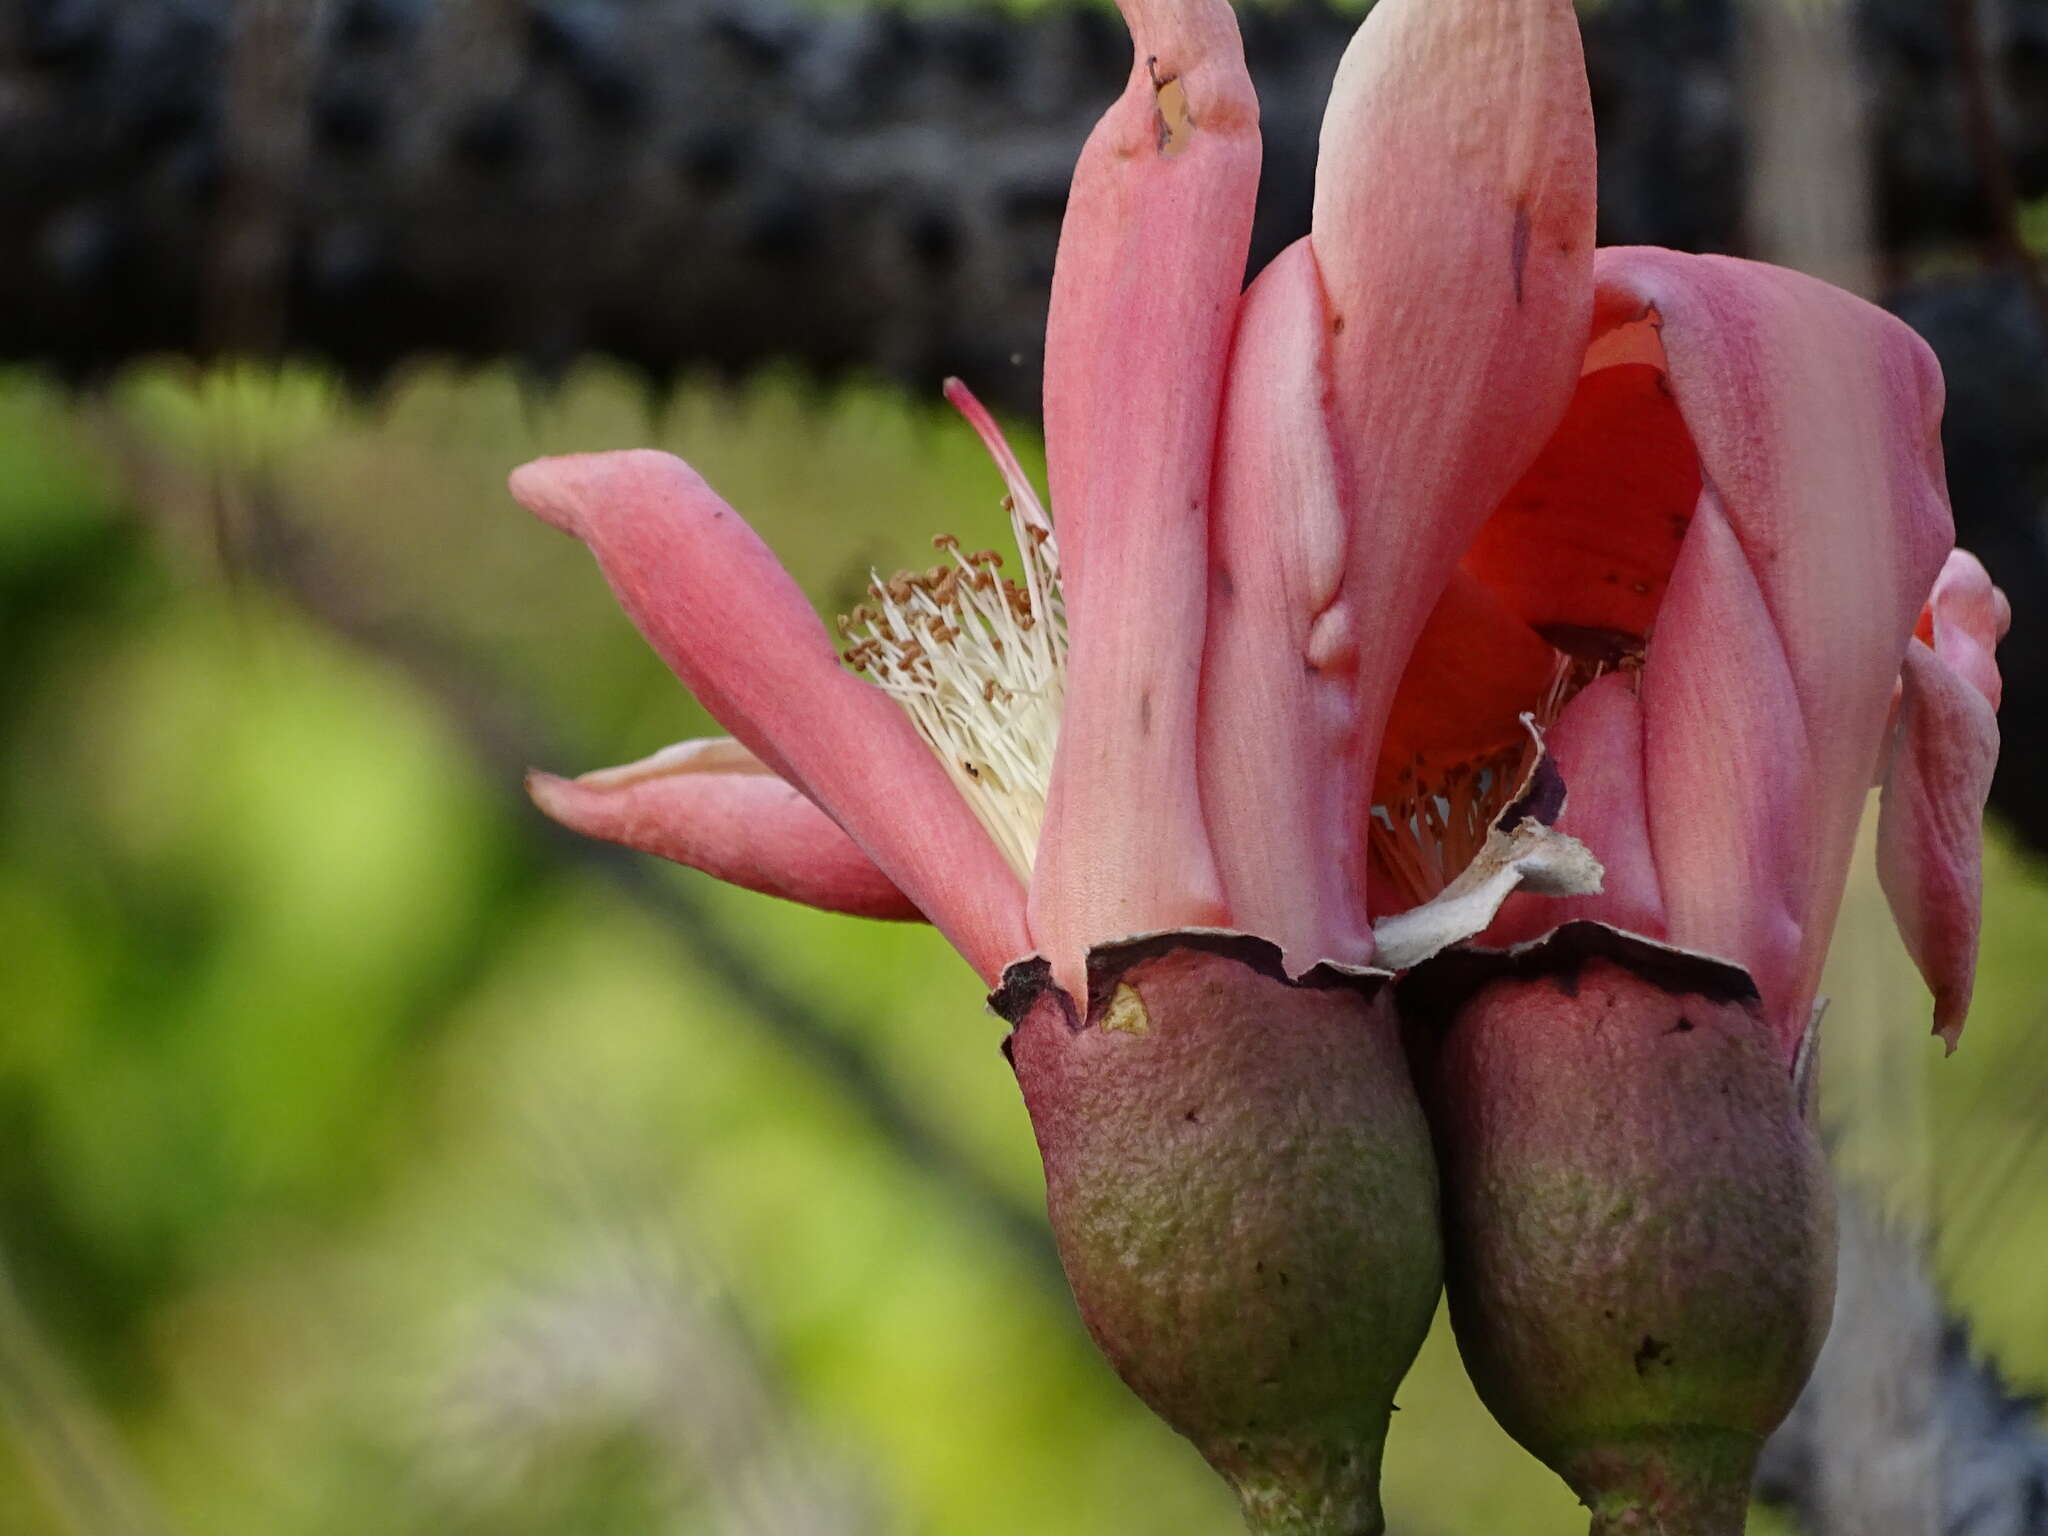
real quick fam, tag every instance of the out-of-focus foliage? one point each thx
(369, 1160)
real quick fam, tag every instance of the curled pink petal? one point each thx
(726, 617)
(1151, 261)
(1930, 827)
(1282, 655)
(1453, 226)
(1816, 418)
(714, 806)
(1727, 771)
(1965, 618)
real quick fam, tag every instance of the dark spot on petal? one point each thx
(1652, 1351)
(1145, 712)
(1684, 1026)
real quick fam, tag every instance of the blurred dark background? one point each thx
(372, 1158)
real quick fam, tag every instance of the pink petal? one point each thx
(1727, 769)
(716, 807)
(1282, 658)
(1965, 618)
(730, 622)
(1930, 827)
(1598, 747)
(1150, 264)
(1453, 226)
(1817, 418)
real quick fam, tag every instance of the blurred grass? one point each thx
(372, 1168)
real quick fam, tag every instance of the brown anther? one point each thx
(987, 557)
(945, 541)
(899, 588)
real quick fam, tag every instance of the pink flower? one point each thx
(1713, 585)
(1170, 720)
(1256, 698)
(1166, 722)
(1724, 552)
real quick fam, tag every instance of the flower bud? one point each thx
(1639, 1227)
(1240, 1182)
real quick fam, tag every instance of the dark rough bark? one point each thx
(722, 182)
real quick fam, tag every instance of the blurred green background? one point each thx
(372, 1158)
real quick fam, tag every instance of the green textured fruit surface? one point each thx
(1639, 1232)
(1239, 1177)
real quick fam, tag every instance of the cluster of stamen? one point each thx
(978, 661)
(1435, 823)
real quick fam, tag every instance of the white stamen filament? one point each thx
(1437, 822)
(979, 664)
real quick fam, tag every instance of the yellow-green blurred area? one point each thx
(375, 1159)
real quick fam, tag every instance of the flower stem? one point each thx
(1686, 1485)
